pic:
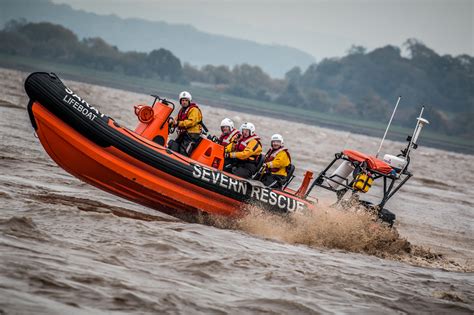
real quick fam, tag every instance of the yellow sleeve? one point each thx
(194, 118)
(281, 160)
(230, 147)
(248, 151)
(234, 138)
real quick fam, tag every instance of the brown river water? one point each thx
(69, 248)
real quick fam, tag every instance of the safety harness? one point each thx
(271, 154)
(226, 139)
(183, 115)
(243, 142)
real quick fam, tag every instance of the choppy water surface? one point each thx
(68, 248)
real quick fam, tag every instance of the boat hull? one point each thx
(95, 149)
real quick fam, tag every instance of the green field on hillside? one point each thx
(218, 99)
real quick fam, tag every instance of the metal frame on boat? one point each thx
(393, 170)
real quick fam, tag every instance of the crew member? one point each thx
(188, 123)
(276, 163)
(229, 136)
(244, 156)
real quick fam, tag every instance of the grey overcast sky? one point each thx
(323, 28)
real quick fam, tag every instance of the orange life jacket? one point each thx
(225, 139)
(183, 114)
(271, 154)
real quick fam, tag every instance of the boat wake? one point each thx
(89, 205)
(353, 230)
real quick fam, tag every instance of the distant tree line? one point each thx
(365, 86)
(242, 80)
(361, 85)
(54, 42)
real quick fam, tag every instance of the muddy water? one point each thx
(68, 248)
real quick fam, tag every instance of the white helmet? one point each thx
(277, 137)
(227, 122)
(249, 126)
(185, 95)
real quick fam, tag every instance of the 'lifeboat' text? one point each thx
(80, 105)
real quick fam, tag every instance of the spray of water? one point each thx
(355, 231)
(352, 229)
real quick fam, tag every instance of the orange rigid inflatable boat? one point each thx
(137, 165)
